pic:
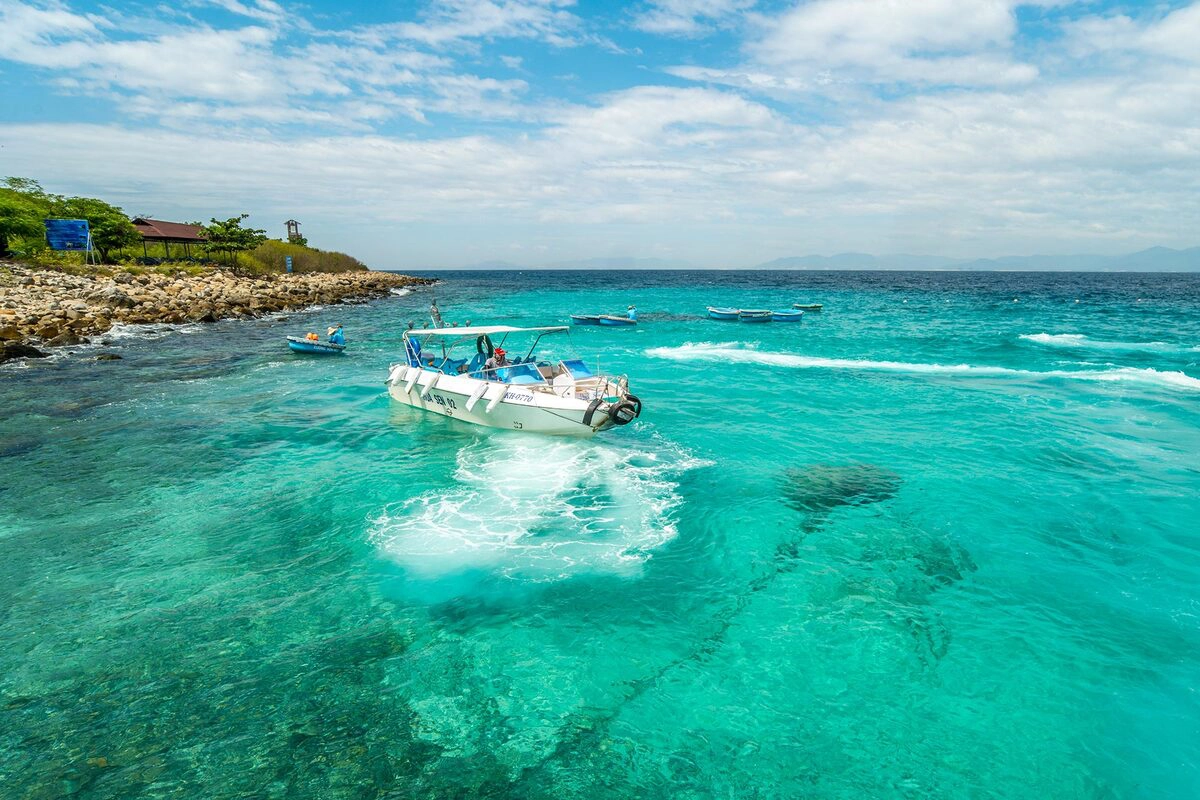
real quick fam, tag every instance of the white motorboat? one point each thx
(565, 396)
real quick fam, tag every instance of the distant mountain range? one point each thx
(1154, 259)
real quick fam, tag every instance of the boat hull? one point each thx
(728, 314)
(310, 347)
(616, 322)
(754, 316)
(787, 316)
(808, 306)
(520, 408)
(585, 319)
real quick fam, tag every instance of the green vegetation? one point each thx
(271, 255)
(229, 237)
(25, 205)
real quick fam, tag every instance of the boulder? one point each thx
(11, 350)
(108, 357)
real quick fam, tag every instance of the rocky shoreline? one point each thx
(43, 308)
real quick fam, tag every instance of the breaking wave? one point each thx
(1078, 341)
(539, 510)
(401, 292)
(731, 353)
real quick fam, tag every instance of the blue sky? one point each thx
(716, 133)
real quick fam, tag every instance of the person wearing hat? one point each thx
(336, 336)
(499, 360)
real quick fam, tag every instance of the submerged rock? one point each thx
(108, 357)
(824, 487)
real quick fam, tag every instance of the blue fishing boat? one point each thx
(716, 312)
(808, 306)
(615, 321)
(585, 319)
(787, 316)
(754, 315)
(314, 346)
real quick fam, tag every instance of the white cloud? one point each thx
(456, 21)
(687, 17)
(1175, 36)
(956, 42)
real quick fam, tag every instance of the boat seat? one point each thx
(577, 369)
(473, 369)
(452, 366)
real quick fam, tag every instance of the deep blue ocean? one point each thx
(939, 540)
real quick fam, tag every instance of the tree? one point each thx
(228, 236)
(23, 206)
(108, 225)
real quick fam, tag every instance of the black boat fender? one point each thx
(591, 411)
(484, 345)
(625, 412)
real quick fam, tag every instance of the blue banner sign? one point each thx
(289, 263)
(67, 234)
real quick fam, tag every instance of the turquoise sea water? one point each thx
(941, 540)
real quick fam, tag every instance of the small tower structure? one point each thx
(293, 230)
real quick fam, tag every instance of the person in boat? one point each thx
(632, 312)
(499, 360)
(336, 336)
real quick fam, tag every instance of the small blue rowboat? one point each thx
(787, 316)
(585, 319)
(808, 306)
(716, 312)
(754, 315)
(615, 321)
(316, 348)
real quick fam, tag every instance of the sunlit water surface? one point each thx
(940, 540)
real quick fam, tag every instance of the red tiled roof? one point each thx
(170, 231)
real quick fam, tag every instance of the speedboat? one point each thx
(615, 321)
(716, 312)
(585, 319)
(754, 315)
(564, 396)
(314, 346)
(787, 316)
(808, 306)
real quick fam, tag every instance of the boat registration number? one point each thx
(445, 402)
(520, 397)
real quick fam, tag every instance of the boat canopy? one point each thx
(480, 330)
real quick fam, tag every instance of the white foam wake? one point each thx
(538, 509)
(1079, 341)
(401, 292)
(731, 353)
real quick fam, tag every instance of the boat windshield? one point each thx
(529, 359)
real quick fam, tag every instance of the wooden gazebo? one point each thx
(168, 233)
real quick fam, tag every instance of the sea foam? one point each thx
(704, 351)
(538, 510)
(1079, 341)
